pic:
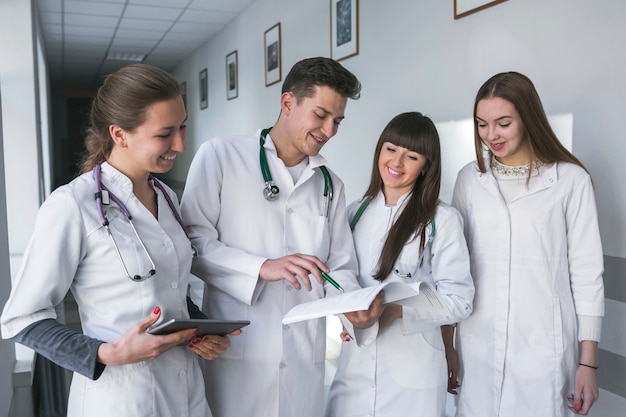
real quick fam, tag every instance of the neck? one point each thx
(285, 151)
(392, 195)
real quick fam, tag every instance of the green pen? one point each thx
(329, 279)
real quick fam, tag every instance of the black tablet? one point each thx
(204, 326)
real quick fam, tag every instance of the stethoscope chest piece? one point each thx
(270, 192)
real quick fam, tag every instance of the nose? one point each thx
(178, 141)
(397, 159)
(329, 128)
(490, 133)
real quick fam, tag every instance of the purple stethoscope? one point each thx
(104, 196)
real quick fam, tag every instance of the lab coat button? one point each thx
(182, 373)
(289, 211)
(174, 285)
(290, 249)
(283, 365)
(285, 327)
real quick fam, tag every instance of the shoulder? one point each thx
(70, 202)
(568, 170)
(229, 142)
(469, 170)
(445, 212)
(337, 182)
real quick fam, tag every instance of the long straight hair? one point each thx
(418, 133)
(519, 90)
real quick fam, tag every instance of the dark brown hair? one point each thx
(320, 71)
(418, 133)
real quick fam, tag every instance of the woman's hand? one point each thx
(366, 318)
(586, 386)
(392, 312)
(211, 346)
(137, 345)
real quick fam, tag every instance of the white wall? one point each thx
(414, 56)
(22, 177)
(21, 124)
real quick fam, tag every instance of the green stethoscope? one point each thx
(271, 190)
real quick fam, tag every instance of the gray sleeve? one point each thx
(65, 347)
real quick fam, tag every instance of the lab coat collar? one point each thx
(269, 146)
(547, 177)
(117, 182)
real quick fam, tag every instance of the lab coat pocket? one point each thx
(129, 386)
(417, 355)
(322, 238)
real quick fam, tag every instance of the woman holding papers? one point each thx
(402, 232)
(530, 220)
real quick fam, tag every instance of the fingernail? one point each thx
(157, 310)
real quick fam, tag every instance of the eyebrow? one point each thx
(499, 118)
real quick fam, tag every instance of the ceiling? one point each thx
(79, 35)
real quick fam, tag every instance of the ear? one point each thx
(287, 102)
(118, 135)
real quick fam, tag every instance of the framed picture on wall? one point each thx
(204, 89)
(464, 8)
(344, 29)
(183, 92)
(232, 83)
(272, 55)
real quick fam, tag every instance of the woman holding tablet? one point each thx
(113, 238)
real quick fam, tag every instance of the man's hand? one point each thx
(293, 267)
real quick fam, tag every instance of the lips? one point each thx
(497, 146)
(393, 173)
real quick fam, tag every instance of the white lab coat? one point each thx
(270, 370)
(537, 263)
(70, 250)
(404, 372)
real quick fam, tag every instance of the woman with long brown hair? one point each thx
(530, 347)
(402, 232)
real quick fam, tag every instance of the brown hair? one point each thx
(517, 89)
(122, 100)
(417, 133)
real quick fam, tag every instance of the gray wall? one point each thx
(7, 353)
(413, 55)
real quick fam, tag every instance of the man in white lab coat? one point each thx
(266, 216)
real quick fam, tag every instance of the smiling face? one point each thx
(305, 127)
(399, 169)
(152, 146)
(501, 130)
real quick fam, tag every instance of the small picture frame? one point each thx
(464, 8)
(344, 29)
(272, 55)
(232, 82)
(204, 89)
(183, 92)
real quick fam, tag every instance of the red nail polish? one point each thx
(157, 310)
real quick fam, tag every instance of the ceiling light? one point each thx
(125, 56)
